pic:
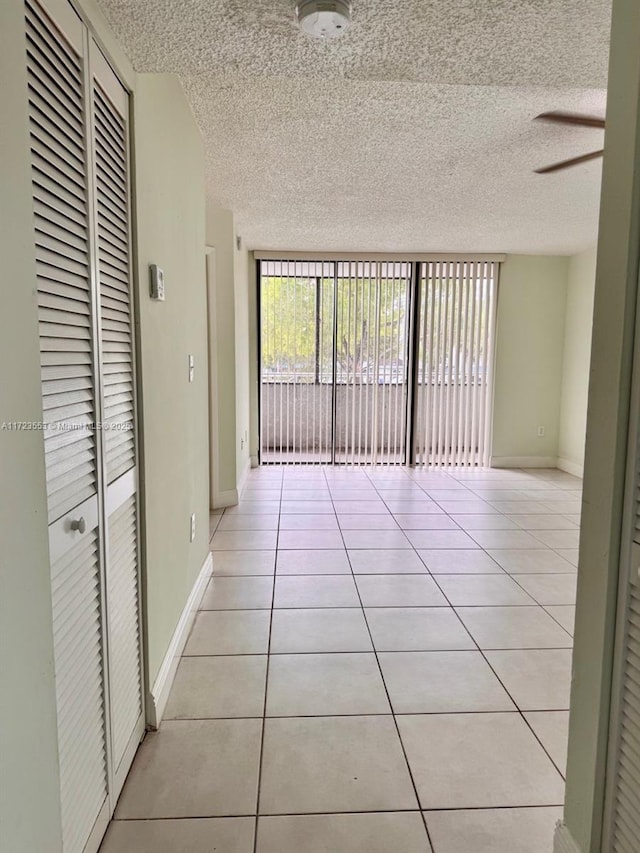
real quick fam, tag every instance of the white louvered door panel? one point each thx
(56, 64)
(124, 630)
(112, 186)
(110, 106)
(79, 143)
(61, 222)
(77, 628)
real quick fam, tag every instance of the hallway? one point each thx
(381, 662)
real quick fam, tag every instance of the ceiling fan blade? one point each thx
(572, 118)
(566, 164)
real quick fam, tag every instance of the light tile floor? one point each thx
(381, 663)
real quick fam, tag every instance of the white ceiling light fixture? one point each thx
(323, 18)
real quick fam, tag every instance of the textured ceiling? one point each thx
(413, 131)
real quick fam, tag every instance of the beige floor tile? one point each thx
(244, 540)
(313, 562)
(375, 539)
(290, 507)
(368, 507)
(315, 591)
(478, 590)
(238, 593)
(255, 505)
(249, 521)
(194, 768)
(236, 563)
(343, 833)
(513, 628)
(426, 522)
(440, 539)
(367, 522)
(452, 561)
(550, 589)
(537, 679)
(564, 614)
(442, 682)
(328, 764)
(478, 761)
(533, 561)
(493, 830)
(229, 632)
(484, 522)
(409, 507)
(506, 539)
(196, 835)
(325, 684)
(564, 507)
(552, 728)
(471, 506)
(525, 507)
(543, 522)
(386, 561)
(570, 554)
(565, 539)
(207, 687)
(308, 522)
(399, 591)
(321, 630)
(400, 629)
(301, 539)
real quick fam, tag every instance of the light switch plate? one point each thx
(156, 282)
(192, 367)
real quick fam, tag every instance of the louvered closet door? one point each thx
(110, 105)
(60, 180)
(623, 811)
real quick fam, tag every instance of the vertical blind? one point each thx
(369, 361)
(453, 389)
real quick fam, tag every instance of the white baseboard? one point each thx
(222, 499)
(563, 840)
(164, 681)
(524, 461)
(243, 476)
(254, 461)
(571, 467)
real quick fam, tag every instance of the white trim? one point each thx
(523, 462)
(222, 499)
(243, 477)
(164, 680)
(254, 461)
(563, 840)
(282, 255)
(570, 467)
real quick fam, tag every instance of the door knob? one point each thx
(79, 524)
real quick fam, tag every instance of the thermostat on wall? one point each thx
(157, 282)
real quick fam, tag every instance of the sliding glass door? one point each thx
(376, 361)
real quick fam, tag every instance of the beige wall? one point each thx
(575, 367)
(171, 233)
(30, 797)
(528, 358)
(220, 236)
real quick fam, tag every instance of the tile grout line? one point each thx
(266, 681)
(393, 715)
(517, 707)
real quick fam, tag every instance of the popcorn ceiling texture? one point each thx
(413, 131)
